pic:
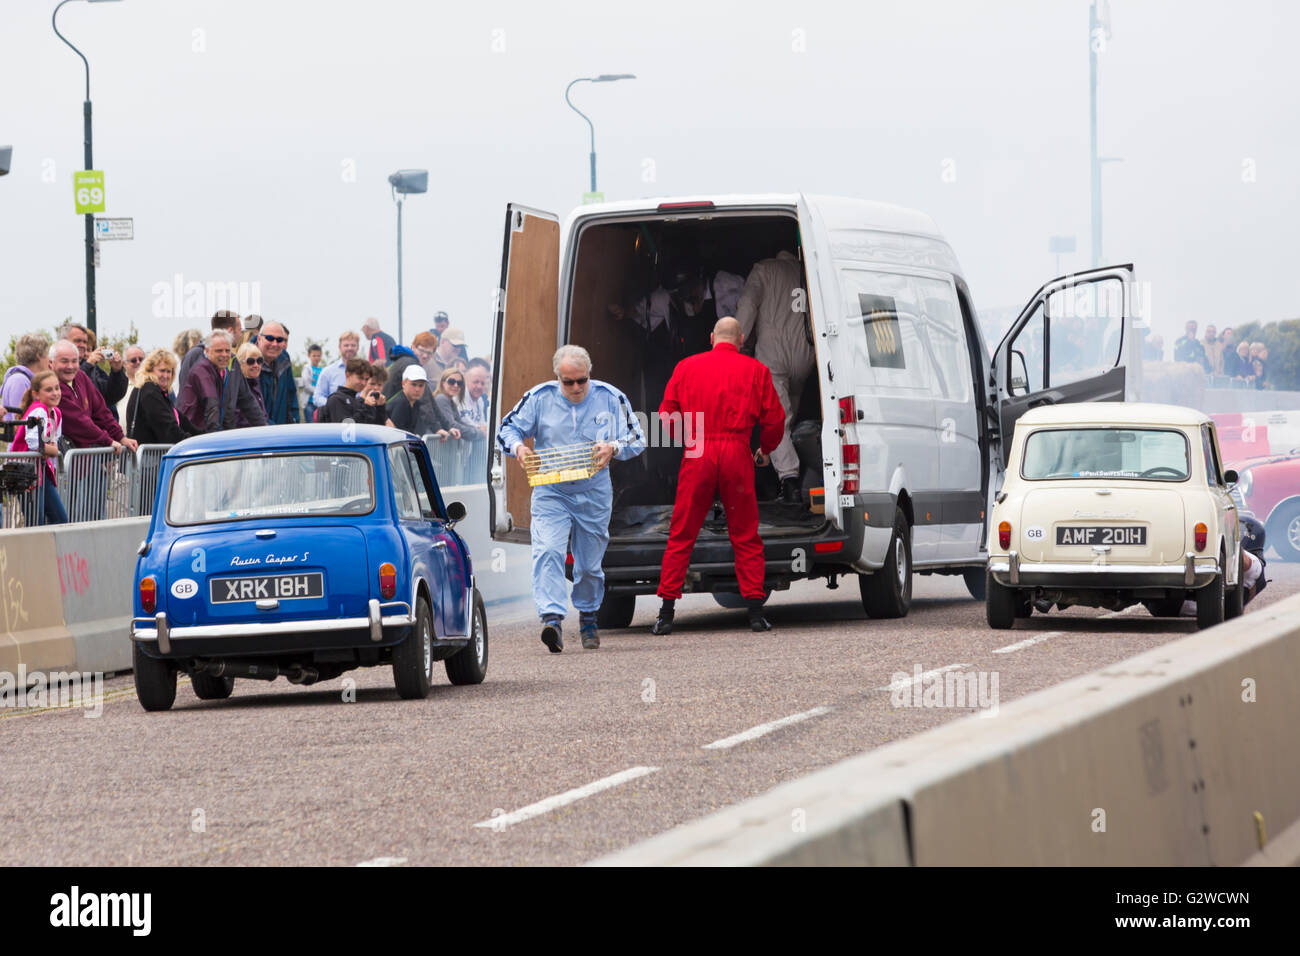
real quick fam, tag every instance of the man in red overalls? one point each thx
(725, 394)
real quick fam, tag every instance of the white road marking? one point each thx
(900, 684)
(754, 732)
(384, 861)
(1048, 635)
(563, 799)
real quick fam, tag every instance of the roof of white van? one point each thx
(838, 212)
(1117, 413)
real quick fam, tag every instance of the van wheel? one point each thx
(155, 680)
(1209, 603)
(975, 582)
(209, 687)
(469, 664)
(1234, 600)
(413, 658)
(1165, 607)
(888, 592)
(1284, 532)
(1002, 605)
(616, 611)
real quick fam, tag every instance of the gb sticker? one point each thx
(185, 588)
(1035, 533)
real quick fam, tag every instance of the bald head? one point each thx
(726, 329)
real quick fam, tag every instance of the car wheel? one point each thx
(1234, 600)
(413, 658)
(616, 611)
(155, 680)
(1001, 603)
(1209, 603)
(888, 592)
(1284, 532)
(975, 581)
(210, 687)
(469, 664)
(1164, 607)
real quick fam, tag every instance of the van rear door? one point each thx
(1067, 345)
(526, 338)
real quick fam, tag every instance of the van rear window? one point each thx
(291, 485)
(1149, 454)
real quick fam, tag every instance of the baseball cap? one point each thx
(454, 335)
(252, 322)
(440, 317)
(414, 373)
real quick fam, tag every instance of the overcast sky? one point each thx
(251, 141)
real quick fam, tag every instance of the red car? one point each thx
(1269, 486)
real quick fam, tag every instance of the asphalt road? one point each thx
(555, 759)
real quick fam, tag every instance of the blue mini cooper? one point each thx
(302, 551)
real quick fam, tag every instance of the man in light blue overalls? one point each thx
(571, 516)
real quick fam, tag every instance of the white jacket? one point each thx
(767, 313)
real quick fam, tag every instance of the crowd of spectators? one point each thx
(240, 375)
(1245, 363)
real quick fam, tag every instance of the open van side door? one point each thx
(1067, 345)
(527, 324)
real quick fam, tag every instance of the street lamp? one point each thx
(90, 164)
(405, 182)
(603, 78)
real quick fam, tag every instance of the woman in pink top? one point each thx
(41, 402)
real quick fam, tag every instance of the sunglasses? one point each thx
(275, 338)
(455, 381)
(252, 361)
(570, 382)
(134, 361)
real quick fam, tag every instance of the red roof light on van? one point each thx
(665, 206)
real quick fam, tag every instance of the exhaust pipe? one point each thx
(295, 673)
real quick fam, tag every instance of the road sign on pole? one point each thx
(122, 227)
(588, 198)
(88, 188)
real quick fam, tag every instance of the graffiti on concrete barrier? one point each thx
(11, 596)
(74, 573)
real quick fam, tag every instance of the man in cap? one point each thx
(409, 410)
(450, 347)
(440, 323)
(571, 516)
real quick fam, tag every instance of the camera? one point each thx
(109, 354)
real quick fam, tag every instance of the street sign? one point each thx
(88, 188)
(114, 228)
(589, 198)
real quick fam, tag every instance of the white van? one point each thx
(901, 426)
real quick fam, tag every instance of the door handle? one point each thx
(440, 544)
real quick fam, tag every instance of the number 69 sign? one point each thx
(88, 187)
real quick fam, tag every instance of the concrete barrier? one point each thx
(96, 574)
(1161, 760)
(31, 608)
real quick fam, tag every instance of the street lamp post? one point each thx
(603, 78)
(90, 164)
(405, 182)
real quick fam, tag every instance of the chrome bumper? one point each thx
(1191, 572)
(158, 629)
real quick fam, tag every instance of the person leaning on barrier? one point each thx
(41, 402)
(408, 409)
(111, 384)
(151, 415)
(223, 320)
(87, 422)
(215, 396)
(571, 516)
(31, 355)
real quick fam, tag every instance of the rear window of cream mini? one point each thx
(1144, 454)
(271, 486)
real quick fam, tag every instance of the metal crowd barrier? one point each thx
(22, 494)
(148, 459)
(96, 483)
(456, 461)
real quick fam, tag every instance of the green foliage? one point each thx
(1283, 342)
(118, 341)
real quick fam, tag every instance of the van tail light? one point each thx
(852, 468)
(1199, 534)
(848, 411)
(1004, 535)
(148, 594)
(387, 581)
(693, 204)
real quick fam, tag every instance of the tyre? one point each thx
(413, 658)
(616, 611)
(155, 681)
(469, 664)
(1234, 599)
(1284, 531)
(888, 592)
(1209, 603)
(1165, 607)
(209, 687)
(975, 581)
(1001, 604)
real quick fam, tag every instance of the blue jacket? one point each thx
(280, 392)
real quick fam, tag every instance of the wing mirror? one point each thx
(1230, 477)
(456, 511)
